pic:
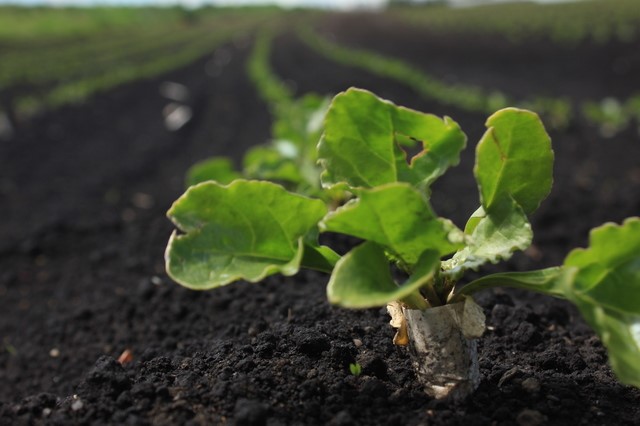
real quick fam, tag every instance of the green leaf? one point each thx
(474, 220)
(320, 258)
(358, 146)
(362, 279)
(620, 334)
(397, 217)
(271, 163)
(606, 289)
(362, 138)
(542, 281)
(219, 169)
(494, 237)
(610, 267)
(301, 121)
(514, 159)
(246, 230)
(514, 165)
(442, 142)
(291, 157)
(603, 281)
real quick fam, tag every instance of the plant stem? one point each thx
(416, 301)
(541, 281)
(431, 295)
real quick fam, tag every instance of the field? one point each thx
(101, 120)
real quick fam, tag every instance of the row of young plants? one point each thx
(19, 57)
(145, 56)
(250, 229)
(564, 23)
(32, 27)
(48, 50)
(610, 115)
(469, 98)
(32, 69)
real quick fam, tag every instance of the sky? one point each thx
(333, 4)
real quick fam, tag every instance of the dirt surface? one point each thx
(84, 191)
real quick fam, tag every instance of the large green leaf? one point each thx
(514, 159)
(361, 142)
(362, 279)
(514, 167)
(606, 289)
(610, 267)
(494, 237)
(219, 169)
(246, 230)
(397, 217)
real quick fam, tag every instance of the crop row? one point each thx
(33, 83)
(271, 89)
(22, 27)
(72, 63)
(466, 97)
(609, 114)
(289, 157)
(567, 23)
(612, 115)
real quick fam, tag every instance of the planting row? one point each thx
(46, 78)
(610, 114)
(40, 27)
(43, 77)
(289, 157)
(568, 23)
(69, 63)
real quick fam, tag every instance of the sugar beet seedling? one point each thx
(247, 230)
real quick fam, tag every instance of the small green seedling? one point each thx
(248, 230)
(355, 369)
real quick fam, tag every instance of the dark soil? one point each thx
(84, 191)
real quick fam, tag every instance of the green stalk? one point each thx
(541, 281)
(416, 301)
(431, 295)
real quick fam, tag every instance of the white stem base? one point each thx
(443, 355)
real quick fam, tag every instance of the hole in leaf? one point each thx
(409, 146)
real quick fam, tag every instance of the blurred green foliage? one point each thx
(566, 23)
(51, 57)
